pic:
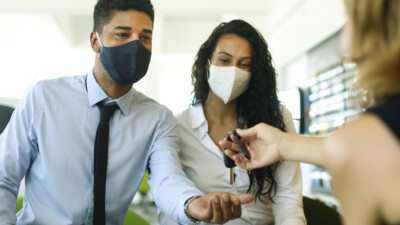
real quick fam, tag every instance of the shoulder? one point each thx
(58, 86)
(184, 116)
(286, 114)
(149, 104)
(365, 156)
(191, 116)
(59, 82)
(365, 140)
(287, 119)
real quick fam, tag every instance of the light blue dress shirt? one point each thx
(50, 141)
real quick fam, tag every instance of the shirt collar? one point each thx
(96, 94)
(198, 120)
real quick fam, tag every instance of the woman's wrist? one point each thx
(283, 146)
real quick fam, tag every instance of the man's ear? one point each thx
(94, 42)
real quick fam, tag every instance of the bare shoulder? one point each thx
(365, 163)
(367, 134)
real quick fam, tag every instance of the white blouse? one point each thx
(203, 163)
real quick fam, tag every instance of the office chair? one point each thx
(318, 213)
(5, 115)
(131, 218)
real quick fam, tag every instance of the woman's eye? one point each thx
(224, 60)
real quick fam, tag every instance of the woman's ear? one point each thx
(208, 65)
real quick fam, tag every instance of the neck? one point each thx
(110, 87)
(216, 110)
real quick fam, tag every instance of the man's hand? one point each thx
(218, 207)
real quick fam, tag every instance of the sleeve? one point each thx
(288, 207)
(18, 147)
(169, 185)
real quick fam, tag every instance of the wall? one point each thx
(295, 27)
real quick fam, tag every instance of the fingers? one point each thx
(245, 198)
(226, 205)
(221, 207)
(234, 156)
(217, 211)
(247, 133)
(237, 208)
(229, 145)
(240, 161)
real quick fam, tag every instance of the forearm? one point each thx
(303, 149)
(7, 205)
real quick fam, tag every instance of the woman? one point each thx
(235, 86)
(363, 157)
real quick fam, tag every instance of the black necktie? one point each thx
(100, 163)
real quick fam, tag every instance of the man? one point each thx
(52, 139)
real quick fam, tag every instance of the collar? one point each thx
(96, 94)
(198, 120)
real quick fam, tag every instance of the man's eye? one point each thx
(122, 35)
(146, 38)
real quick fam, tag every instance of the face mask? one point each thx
(228, 83)
(127, 63)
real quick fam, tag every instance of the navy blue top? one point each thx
(390, 114)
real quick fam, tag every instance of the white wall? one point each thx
(57, 44)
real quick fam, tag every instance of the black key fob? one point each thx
(229, 163)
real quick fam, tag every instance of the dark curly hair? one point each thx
(104, 10)
(259, 103)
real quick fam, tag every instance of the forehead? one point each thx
(130, 18)
(234, 45)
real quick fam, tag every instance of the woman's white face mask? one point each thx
(228, 82)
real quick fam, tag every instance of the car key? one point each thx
(229, 163)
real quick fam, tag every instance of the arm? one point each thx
(17, 149)
(171, 188)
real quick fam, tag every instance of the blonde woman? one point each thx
(363, 157)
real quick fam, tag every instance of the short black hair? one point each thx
(104, 10)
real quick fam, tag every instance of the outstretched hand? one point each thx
(218, 207)
(262, 142)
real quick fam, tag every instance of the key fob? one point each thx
(229, 163)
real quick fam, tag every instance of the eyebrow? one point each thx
(147, 31)
(225, 53)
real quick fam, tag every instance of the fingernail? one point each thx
(216, 200)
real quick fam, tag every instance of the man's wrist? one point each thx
(186, 206)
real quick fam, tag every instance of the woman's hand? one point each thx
(263, 144)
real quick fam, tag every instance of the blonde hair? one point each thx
(375, 41)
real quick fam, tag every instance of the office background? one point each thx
(46, 39)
